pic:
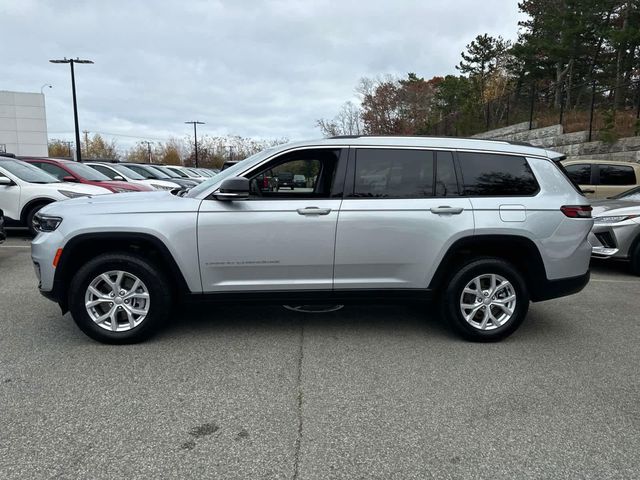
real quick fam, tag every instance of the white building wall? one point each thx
(23, 123)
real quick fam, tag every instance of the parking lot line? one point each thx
(613, 281)
(15, 246)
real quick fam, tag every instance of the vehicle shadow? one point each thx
(421, 320)
(212, 318)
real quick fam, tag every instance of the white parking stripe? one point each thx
(15, 246)
(614, 281)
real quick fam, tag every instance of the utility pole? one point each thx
(195, 137)
(86, 142)
(148, 144)
(230, 147)
(71, 62)
(68, 144)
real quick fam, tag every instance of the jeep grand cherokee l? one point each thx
(481, 227)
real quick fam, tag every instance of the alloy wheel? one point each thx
(117, 301)
(488, 301)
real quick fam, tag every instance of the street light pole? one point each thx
(71, 62)
(43, 86)
(195, 137)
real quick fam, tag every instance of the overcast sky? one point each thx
(265, 69)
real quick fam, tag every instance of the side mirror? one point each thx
(69, 178)
(234, 188)
(6, 181)
(119, 178)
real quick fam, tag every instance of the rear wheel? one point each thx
(119, 298)
(486, 300)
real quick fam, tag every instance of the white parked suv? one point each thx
(25, 189)
(480, 227)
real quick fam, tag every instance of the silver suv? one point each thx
(482, 227)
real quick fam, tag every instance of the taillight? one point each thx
(577, 211)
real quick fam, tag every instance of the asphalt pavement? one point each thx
(371, 391)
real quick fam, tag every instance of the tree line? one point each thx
(212, 151)
(565, 50)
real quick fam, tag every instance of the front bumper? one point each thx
(43, 251)
(613, 240)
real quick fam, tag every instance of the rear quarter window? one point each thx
(494, 175)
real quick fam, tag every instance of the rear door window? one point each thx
(617, 175)
(493, 175)
(393, 173)
(579, 173)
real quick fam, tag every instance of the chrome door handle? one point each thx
(313, 211)
(446, 209)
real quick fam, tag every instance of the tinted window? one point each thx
(487, 174)
(390, 173)
(617, 175)
(446, 180)
(580, 174)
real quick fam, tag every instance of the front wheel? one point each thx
(29, 218)
(486, 300)
(635, 260)
(119, 298)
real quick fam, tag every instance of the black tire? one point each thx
(635, 260)
(28, 220)
(455, 285)
(155, 281)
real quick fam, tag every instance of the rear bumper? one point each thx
(549, 289)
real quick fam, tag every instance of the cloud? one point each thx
(252, 68)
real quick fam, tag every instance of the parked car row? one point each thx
(27, 183)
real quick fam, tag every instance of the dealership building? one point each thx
(23, 124)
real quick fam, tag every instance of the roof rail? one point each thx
(511, 142)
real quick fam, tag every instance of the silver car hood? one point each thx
(619, 207)
(135, 202)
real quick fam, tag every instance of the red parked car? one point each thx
(70, 171)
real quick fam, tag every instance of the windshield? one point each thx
(632, 195)
(148, 172)
(26, 172)
(159, 173)
(167, 171)
(231, 171)
(177, 173)
(127, 172)
(86, 172)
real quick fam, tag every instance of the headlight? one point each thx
(46, 223)
(161, 187)
(70, 194)
(614, 218)
(121, 190)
